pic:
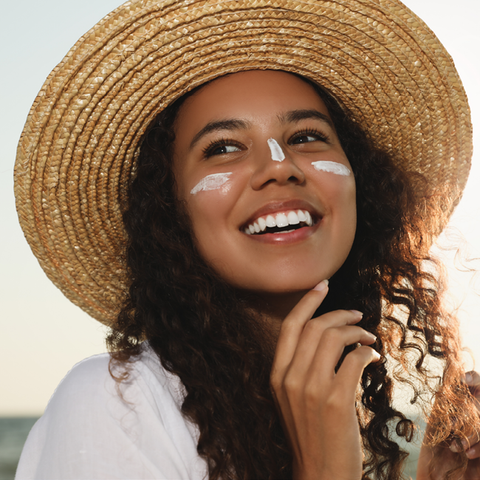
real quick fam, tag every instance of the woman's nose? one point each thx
(269, 171)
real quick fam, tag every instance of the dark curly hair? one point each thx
(206, 332)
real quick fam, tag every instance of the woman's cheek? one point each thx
(337, 183)
(334, 168)
(213, 182)
(211, 199)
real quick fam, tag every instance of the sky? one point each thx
(42, 334)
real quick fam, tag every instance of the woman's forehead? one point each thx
(249, 96)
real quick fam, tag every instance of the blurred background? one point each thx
(42, 334)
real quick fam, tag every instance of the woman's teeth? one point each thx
(280, 220)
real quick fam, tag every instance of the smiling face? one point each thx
(272, 226)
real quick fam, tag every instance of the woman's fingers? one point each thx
(472, 379)
(467, 444)
(314, 346)
(470, 445)
(446, 459)
(317, 406)
(473, 452)
(350, 373)
(293, 324)
(313, 331)
(330, 345)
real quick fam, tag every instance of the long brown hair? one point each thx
(204, 331)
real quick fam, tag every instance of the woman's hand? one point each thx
(317, 405)
(434, 463)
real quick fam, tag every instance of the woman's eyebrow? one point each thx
(297, 115)
(232, 124)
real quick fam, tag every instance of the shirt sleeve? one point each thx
(95, 428)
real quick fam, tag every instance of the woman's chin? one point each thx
(274, 284)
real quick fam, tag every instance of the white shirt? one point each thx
(88, 432)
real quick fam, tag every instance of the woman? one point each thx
(259, 374)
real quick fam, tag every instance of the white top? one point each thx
(88, 432)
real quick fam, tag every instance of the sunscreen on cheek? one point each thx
(211, 182)
(276, 150)
(332, 167)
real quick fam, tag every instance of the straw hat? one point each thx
(77, 152)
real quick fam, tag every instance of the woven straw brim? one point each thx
(76, 155)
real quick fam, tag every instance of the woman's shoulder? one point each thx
(94, 423)
(101, 390)
(99, 378)
(86, 377)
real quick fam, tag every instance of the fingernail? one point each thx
(373, 336)
(377, 355)
(321, 286)
(455, 448)
(357, 313)
(470, 453)
(468, 378)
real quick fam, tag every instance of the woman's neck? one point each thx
(273, 308)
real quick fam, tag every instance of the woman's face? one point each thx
(231, 137)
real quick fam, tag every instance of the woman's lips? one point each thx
(281, 214)
(290, 218)
(286, 237)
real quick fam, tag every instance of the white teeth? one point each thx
(301, 216)
(309, 218)
(270, 221)
(293, 218)
(280, 220)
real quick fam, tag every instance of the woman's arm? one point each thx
(434, 463)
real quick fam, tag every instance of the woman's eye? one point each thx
(308, 137)
(304, 139)
(225, 149)
(220, 149)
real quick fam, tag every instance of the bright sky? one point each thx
(42, 334)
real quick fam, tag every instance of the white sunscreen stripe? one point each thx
(276, 149)
(332, 167)
(211, 182)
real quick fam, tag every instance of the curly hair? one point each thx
(205, 332)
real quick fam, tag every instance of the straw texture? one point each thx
(76, 155)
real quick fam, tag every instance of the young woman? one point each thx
(247, 178)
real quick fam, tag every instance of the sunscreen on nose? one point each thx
(211, 182)
(276, 150)
(332, 167)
